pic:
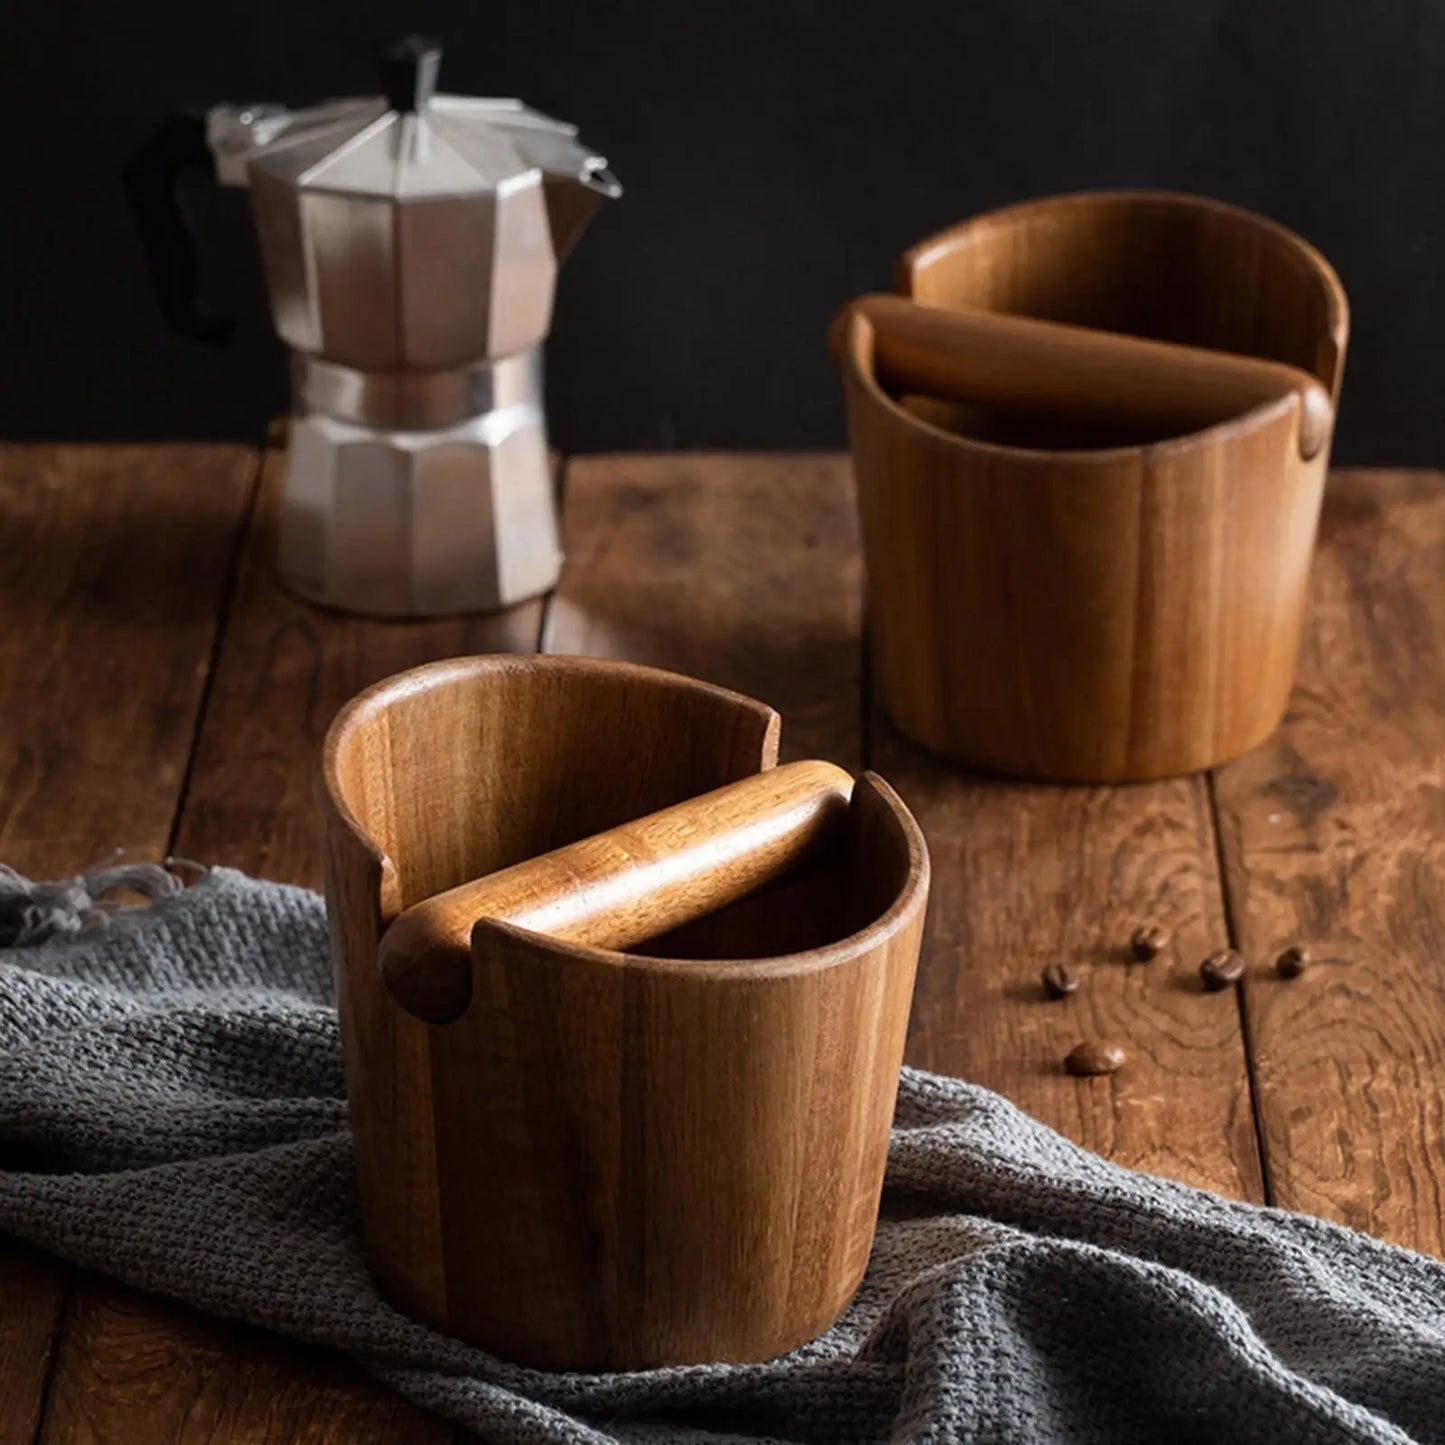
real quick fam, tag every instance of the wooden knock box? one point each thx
(576, 1156)
(1090, 440)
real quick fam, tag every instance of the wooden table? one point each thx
(159, 692)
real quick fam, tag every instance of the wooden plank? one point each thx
(113, 561)
(135, 1368)
(1334, 837)
(741, 570)
(144, 1369)
(1025, 875)
(32, 1299)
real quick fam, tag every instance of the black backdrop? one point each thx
(776, 155)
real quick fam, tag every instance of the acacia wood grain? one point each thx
(112, 564)
(1334, 837)
(1078, 607)
(642, 1186)
(743, 570)
(282, 670)
(446, 774)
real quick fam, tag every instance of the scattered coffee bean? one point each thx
(1092, 1057)
(1221, 969)
(1149, 941)
(1293, 961)
(1059, 980)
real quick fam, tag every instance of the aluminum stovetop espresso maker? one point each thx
(411, 244)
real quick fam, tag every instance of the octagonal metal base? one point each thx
(410, 523)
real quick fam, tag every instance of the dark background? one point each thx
(776, 156)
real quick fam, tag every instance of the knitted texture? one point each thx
(172, 1112)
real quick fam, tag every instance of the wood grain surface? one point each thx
(745, 570)
(144, 1369)
(113, 563)
(657, 1128)
(140, 1369)
(1334, 838)
(33, 1291)
(1080, 602)
(741, 570)
(1027, 875)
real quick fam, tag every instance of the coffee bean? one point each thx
(1293, 961)
(1149, 941)
(1221, 969)
(1059, 980)
(1092, 1057)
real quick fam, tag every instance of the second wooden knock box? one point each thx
(1090, 442)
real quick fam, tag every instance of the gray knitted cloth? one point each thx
(172, 1112)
